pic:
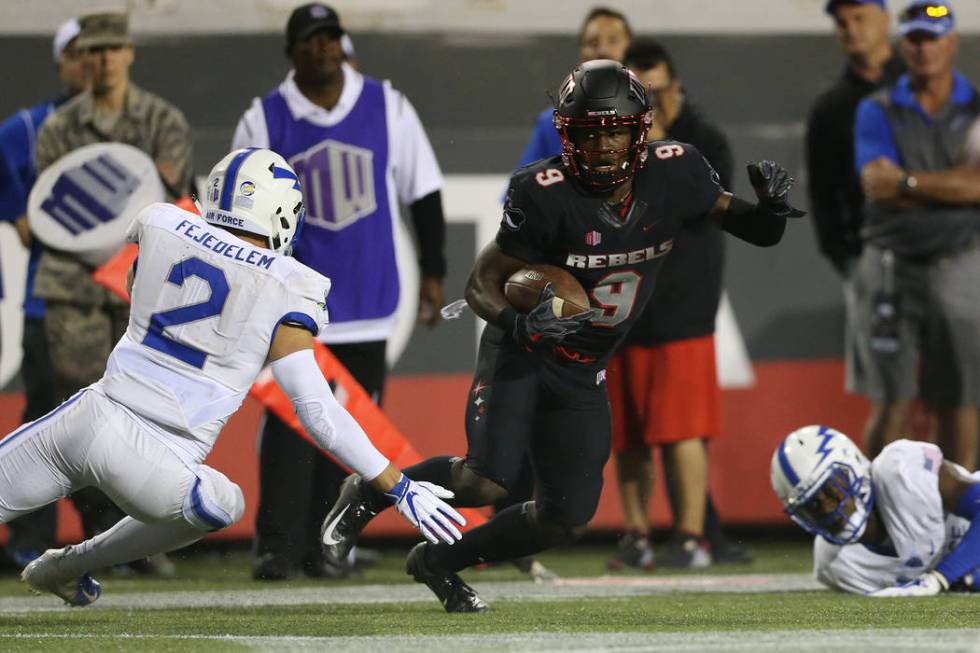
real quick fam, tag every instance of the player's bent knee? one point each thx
(552, 533)
(472, 489)
(213, 502)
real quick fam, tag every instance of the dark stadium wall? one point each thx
(478, 98)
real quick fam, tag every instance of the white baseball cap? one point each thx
(66, 32)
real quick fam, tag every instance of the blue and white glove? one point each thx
(421, 504)
(930, 583)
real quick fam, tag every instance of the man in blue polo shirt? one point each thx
(918, 300)
(32, 534)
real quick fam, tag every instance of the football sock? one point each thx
(508, 535)
(129, 540)
(712, 525)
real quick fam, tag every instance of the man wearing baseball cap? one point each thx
(916, 283)
(32, 534)
(360, 151)
(861, 28)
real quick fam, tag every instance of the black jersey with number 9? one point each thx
(549, 218)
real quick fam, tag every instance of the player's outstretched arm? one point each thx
(960, 493)
(763, 223)
(333, 429)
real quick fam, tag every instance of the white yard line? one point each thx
(799, 641)
(565, 589)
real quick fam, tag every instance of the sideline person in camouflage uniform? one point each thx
(83, 320)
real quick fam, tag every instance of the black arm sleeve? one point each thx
(430, 229)
(753, 223)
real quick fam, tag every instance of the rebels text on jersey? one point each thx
(549, 218)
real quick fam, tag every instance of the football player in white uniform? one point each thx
(905, 524)
(214, 298)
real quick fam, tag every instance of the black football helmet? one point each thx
(603, 94)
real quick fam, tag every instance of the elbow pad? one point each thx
(327, 422)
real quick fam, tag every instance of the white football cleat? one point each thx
(44, 575)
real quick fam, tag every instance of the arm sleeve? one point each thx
(325, 420)
(523, 233)
(430, 229)
(966, 556)
(135, 230)
(251, 130)
(718, 153)
(173, 151)
(50, 146)
(14, 157)
(307, 300)
(701, 182)
(416, 170)
(873, 136)
(906, 479)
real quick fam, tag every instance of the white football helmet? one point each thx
(824, 482)
(255, 190)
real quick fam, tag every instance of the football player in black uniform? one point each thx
(607, 211)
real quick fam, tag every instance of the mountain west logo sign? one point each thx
(85, 201)
(338, 183)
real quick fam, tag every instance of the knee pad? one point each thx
(473, 489)
(213, 502)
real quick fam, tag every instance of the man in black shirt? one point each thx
(861, 28)
(663, 387)
(607, 210)
(836, 200)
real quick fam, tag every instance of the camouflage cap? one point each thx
(104, 30)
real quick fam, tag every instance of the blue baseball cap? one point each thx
(832, 5)
(935, 17)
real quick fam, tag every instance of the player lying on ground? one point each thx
(213, 300)
(607, 212)
(905, 524)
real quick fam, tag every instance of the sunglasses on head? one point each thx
(928, 12)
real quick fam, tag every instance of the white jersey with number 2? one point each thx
(905, 476)
(205, 308)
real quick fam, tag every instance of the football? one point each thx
(523, 290)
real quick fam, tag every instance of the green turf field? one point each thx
(213, 605)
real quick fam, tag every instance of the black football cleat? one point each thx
(455, 595)
(354, 508)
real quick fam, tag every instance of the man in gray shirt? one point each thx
(916, 284)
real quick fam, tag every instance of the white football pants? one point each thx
(90, 440)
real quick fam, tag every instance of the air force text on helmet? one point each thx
(205, 238)
(220, 217)
(590, 261)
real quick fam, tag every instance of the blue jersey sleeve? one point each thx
(544, 141)
(14, 153)
(873, 136)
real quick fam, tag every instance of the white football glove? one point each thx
(930, 583)
(421, 504)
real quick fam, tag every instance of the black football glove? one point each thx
(772, 183)
(542, 328)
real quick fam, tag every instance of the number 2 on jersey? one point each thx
(615, 295)
(155, 337)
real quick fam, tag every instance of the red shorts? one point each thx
(664, 394)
